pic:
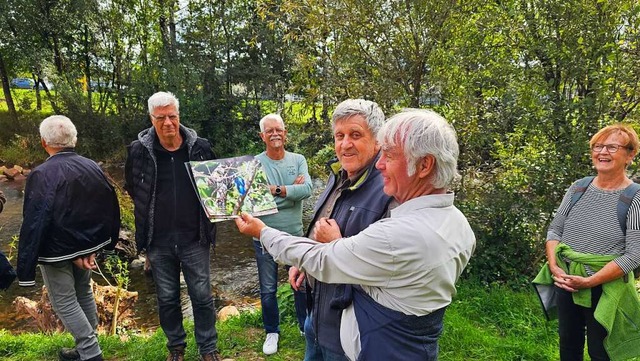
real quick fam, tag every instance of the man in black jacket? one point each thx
(70, 212)
(171, 226)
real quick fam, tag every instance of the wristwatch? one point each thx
(278, 190)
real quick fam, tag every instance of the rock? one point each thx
(19, 177)
(227, 312)
(26, 172)
(11, 173)
(138, 262)
(18, 168)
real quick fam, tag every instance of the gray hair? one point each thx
(366, 108)
(272, 116)
(163, 99)
(420, 133)
(58, 132)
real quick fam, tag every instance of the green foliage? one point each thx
(525, 84)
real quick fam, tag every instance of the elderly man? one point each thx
(70, 212)
(354, 199)
(290, 183)
(171, 225)
(407, 265)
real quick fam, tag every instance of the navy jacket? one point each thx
(70, 210)
(356, 208)
(140, 182)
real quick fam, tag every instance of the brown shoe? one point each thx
(211, 356)
(176, 354)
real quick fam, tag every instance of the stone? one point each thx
(11, 173)
(227, 312)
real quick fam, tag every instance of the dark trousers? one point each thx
(193, 260)
(573, 322)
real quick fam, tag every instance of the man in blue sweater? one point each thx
(290, 183)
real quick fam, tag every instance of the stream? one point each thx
(233, 270)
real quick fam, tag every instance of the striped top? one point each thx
(592, 226)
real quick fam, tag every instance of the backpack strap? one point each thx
(624, 202)
(581, 187)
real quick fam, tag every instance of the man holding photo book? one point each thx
(171, 226)
(289, 183)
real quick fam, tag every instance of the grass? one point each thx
(483, 323)
(490, 323)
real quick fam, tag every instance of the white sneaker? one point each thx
(270, 345)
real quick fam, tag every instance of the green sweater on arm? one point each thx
(618, 310)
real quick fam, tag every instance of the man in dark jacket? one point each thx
(171, 226)
(354, 198)
(70, 212)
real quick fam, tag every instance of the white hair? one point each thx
(163, 99)
(272, 116)
(58, 132)
(366, 108)
(420, 133)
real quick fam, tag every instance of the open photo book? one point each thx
(226, 187)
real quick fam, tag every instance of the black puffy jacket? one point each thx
(140, 182)
(70, 210)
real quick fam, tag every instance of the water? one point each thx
(233, 271)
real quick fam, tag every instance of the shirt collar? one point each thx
(428, 201)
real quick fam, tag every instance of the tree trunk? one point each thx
(36, 80)
(87, 69)
(7, 91)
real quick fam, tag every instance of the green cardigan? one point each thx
(618, 310)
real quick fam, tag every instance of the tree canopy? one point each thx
(526, 83)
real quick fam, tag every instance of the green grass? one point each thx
(483, 323)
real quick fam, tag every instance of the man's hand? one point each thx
(296, 278)
(87, 262)
(249, 225)
(326, 230)
(299, 179)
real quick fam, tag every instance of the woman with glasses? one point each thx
(592, 251)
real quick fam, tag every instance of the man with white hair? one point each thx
(70, 213)
(171, 226)
(405, 266)
(290, 183)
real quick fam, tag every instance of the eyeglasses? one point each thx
(611, 148)
(274, 131)
(162, 118)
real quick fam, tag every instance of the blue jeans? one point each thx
(193, 260)
(268, 279)
(72, 298)
(313, 351)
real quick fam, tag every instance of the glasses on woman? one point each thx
(611, 148)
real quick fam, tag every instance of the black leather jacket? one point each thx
(140, 182)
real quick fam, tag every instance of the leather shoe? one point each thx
(69, 354)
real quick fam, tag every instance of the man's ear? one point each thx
(43, 142)
(426, 166)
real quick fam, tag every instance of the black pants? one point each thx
(573, 321)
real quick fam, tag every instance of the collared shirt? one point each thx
(343, 182)
(408, 263)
